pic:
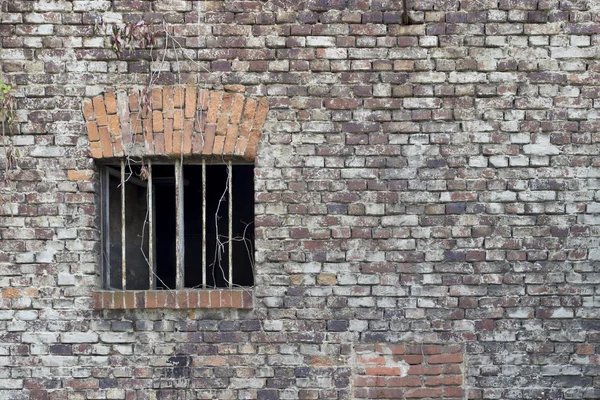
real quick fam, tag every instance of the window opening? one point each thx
(182, 227)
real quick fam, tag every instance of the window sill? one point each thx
(172, 299)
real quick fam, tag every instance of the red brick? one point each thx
(80, 175)
(136, 123)
(92, 129)
(168, 102)
(247, 299)
(237, 108)
(209, 137)
(110, 101)
(406, 381)
(178, 120)
(371, 359)
(159, 143)
(190, 101)
(157, 103)
(423, 393)
(113, 125)
(202, 103)
(168, 136)
(108, 300)
(148, 135)
(225, 299)
(177, 142)
(88, 110)
(193, 299)
(117, 145)
(157, 121)
(236, 299)
(171, 299)
(100, 110)
(134, 101)
(445, 359)
(381, 370)
(182, 299)
(252, 147)
(118, 302)
(105, 142)
(456, 392)
(129, 300)
(412, 359)
(219, 143)
(231, 138)
(424, 370)
(261, 114)
(213, 107)
(178, 97)
(235, 88)
(97, 300)
(215, 299)
(368, 381)
(224, 112)
(391, 348)
(188, 126)
(151, 299)
(204, 301)
(446, 380)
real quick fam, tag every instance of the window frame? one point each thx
(109, 169)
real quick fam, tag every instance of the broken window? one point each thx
(176, 226)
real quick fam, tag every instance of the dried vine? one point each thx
(8, 116)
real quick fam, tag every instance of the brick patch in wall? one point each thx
(398, 371)
(172, 299)
(180, 120)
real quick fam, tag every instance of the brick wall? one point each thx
(426, 201)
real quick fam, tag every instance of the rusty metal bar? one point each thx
(106, 227)
(179, 237)
(150, 228)
(230, 222)
(123, 249)
(204, 224)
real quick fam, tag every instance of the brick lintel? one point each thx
(175, 121)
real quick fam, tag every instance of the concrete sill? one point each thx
(172, 299)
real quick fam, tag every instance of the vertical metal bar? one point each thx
(150, 228)
(179, 238)
(203, 224)
(230, 222)
(123, 249)
(106, 227)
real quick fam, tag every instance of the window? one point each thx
(176, 226)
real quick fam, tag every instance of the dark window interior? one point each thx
(136, 237)
(164, 217)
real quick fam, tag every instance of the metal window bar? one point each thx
(123, 249)
(179, 233)
(230, 223)
(150, 229)
(203, 224)
(179, 236)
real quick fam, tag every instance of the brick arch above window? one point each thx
(179, 120)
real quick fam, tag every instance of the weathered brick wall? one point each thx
(426, 211)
